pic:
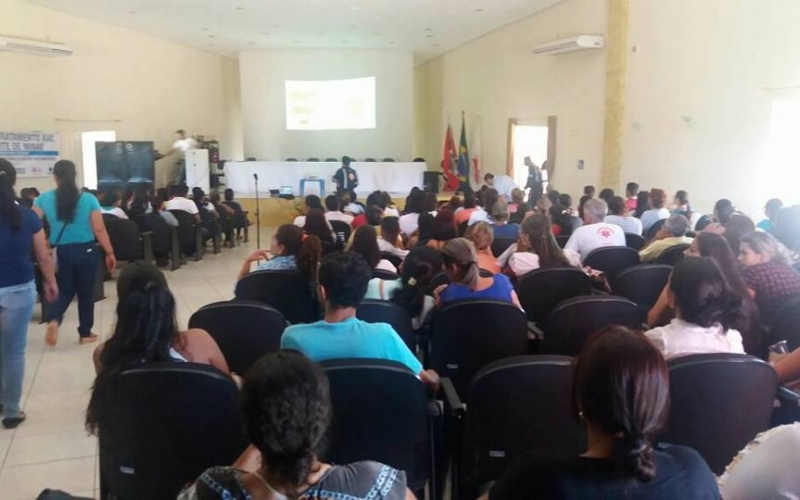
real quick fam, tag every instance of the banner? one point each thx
(464, 159)
(450, 161)
(32, 154)
(476, 152)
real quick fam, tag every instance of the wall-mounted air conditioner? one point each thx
(34, 47)
(571, 44)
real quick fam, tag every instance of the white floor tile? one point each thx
(27, 481)
(27, 450)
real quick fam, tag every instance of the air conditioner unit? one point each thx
(34, 47)
(571, 44)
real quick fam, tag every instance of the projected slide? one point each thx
(330, 104)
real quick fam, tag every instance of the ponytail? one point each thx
(635, 455)
(419, 268)
(67, 192)
(460, 252)
(308, 257)
(8, 206)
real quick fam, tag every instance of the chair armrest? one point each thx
(147, 245)
(457, 408)
(787, 397)
(534, 332)
(175, 251)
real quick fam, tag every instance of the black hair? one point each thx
(588, 191)
(332, 203)
(430, 202)
(8, 206)
(317, 225)
(703, 295)
(419, 268)
(415, 203)
(346, 161)
(67, 192)
(642, 203)
(110, 197)
(631, 188)
(229, 194)
(286, 411)
(374, 215)
(724, 209)
(306, 249)
(621, 384)
(565, 200)
(180, 190)
(365, 243)
(312, 201)
(345, 277)
(425, 227)
(144, 332)
(738, 226)
(553, 196)
(606, 195)
(138, 205)
(488, 176)
(616, 205)
(772, 207)
(444, 226)
(469, 199)
(376, 198)
(390, 229)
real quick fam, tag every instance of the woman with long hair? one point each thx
(444, 229)
(364, 242)
(290, 250)
(620, 393)
(317, 225)
(738, 226)
(767, 272)
(461, 267)
(424, 231)
(537, 248)
(390, 240)
(482, 236)
(76, 220)
(642, 203)
(20, 235)
(286, 412)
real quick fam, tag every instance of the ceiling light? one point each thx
(276, 25)
(428, 36)
(428, 29)
(212, 36)
(133, 12)
(265, 32)
(435, 44)
(478, 10)
(239, 8)
(203, 29)
(297, 41)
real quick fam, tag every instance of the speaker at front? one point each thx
(430, 182)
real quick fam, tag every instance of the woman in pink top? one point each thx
(470, 205)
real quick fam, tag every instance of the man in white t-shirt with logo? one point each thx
(595, 233)
(179, 201)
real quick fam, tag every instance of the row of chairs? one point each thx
(368, 160)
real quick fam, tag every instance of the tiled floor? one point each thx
(51, 449)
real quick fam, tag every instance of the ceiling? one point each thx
(425, 27)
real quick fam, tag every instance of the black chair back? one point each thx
(287, 291)
(313, 159)
(394, 259)
(672, 255)
(575, 320)
(125, 239)
(162, 241)
(634, 241)
(718, 403)
(369, 160)
(518, 406)
(612, 260)
(500, 245)
(468, 335)
(642, 284)
(383, 311)
(541, 290)
(384, 274)
(562, 240)
(245, 331)
(331, 159)
(437, 281)
(390, 160)
(342, 231)
(379, 413)
(784, 325)
(653, 230)
(186, 231)
(162, 424)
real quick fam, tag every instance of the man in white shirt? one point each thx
(179, 201)
(622, 218)
(182, 144)
(334, 212)
(311, 201)
(503, 184)
(595, 233)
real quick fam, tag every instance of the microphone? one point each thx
(255, 176)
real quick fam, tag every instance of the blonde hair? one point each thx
(481, 235)
(500, 209)
(765, 243)
(461, 253)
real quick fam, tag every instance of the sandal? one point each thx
(88, 339)
(13, 422)
(51, 334)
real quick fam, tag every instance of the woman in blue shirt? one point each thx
(75, 221)
(461, 267)
(290, 250)
(20, 231)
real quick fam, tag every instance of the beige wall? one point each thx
(141, 86)
(496, 77)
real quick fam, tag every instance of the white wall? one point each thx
(263, 73)
(141, 86)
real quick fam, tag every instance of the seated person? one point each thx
(333, 205)
(766, 271)
(349, 205)
(520, 206)
(470, 205)
(415, 205)
(179, 201)
(424, 231)
(364, 241)
(200, 199)
(290, 250)
(343, 281)
(723, 209)
(390, 241)
(672, 233)
(706, 309)
(621, 216)
(411, 291)
(112, 204)
(311, 202)
(481, 236)
(484, 213)
(537, 248)
(502, 229)
(444, 229)
(564, 218)
(315, 224)
(283, 458)
(658, 211)
(770, 210)
(461, 267)
(631, 191)
(389, 208)
(621, 393)
(594, 233)
(229, 201)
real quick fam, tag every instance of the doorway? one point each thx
(534, 138)
(781, 173)
(88, 140)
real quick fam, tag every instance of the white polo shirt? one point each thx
(504, 185)
(587, 238)
(180, 203)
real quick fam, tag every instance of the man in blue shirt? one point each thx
(343, 281)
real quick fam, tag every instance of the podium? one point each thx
(198, 172)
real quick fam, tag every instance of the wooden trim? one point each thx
(512, 124)
(552, 122)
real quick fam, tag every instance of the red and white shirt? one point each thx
(587, 238)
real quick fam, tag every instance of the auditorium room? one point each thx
(399, 249)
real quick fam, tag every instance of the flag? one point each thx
(476, 151)
(448, 161)
(463, 156)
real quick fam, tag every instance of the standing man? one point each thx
(502, 183)
(346, 179)
(535, 182)
(181, 145)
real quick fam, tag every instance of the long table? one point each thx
(395, 177)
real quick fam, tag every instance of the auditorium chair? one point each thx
(653, 230)
(573, 321)
(227, 226)
(541, 290)
(612, 260)
(634, 241)
(718, 403)
(369, 160)
(211, 229)
(437, 281)
(642, 284)
(672, 255)
(245, 331)
(313, 159)
(419, 160)
(291, 159)
(394, 259)
(342, 230)
(384, 311)
(287, 291)
(520, 406)
(331, 159)
(388, 160)
(161, 425)
(562, 240)
(784, 326)
(380, 413)
(384, 275)
(469, 334)
(500, 245)
(128, 242)
(190, 234)
(166, 243)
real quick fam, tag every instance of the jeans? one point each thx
(16, 309)
(77, 265)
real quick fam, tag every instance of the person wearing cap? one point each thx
(346, 179)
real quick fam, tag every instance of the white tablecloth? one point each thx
(396, 178)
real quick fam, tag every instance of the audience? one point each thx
(350, 205)
(286, 412)
(483, 214)
(520, 206)
(290, 250)
(621, 393)
(770, 210)
(461, 267)
(424, 231)
(681, 206)
(312, 202)
(231, 202)
(364, 242)
(537, 248)
(390, 241)
(767, 272)
(672, 233)
(444, 229)
(316, 224)
(606, 195)
(470, 205)
(564, 220)
(631, 190)
(112, 205)
(502, 229)
(333, 206)
(723, 209)
(179, 201)
(621, 217)
(503, 184)
(642, 203)
(482, 237)
(737, 227)
(706, 310)
(658, 199)
(409, 221)
(595, 233)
